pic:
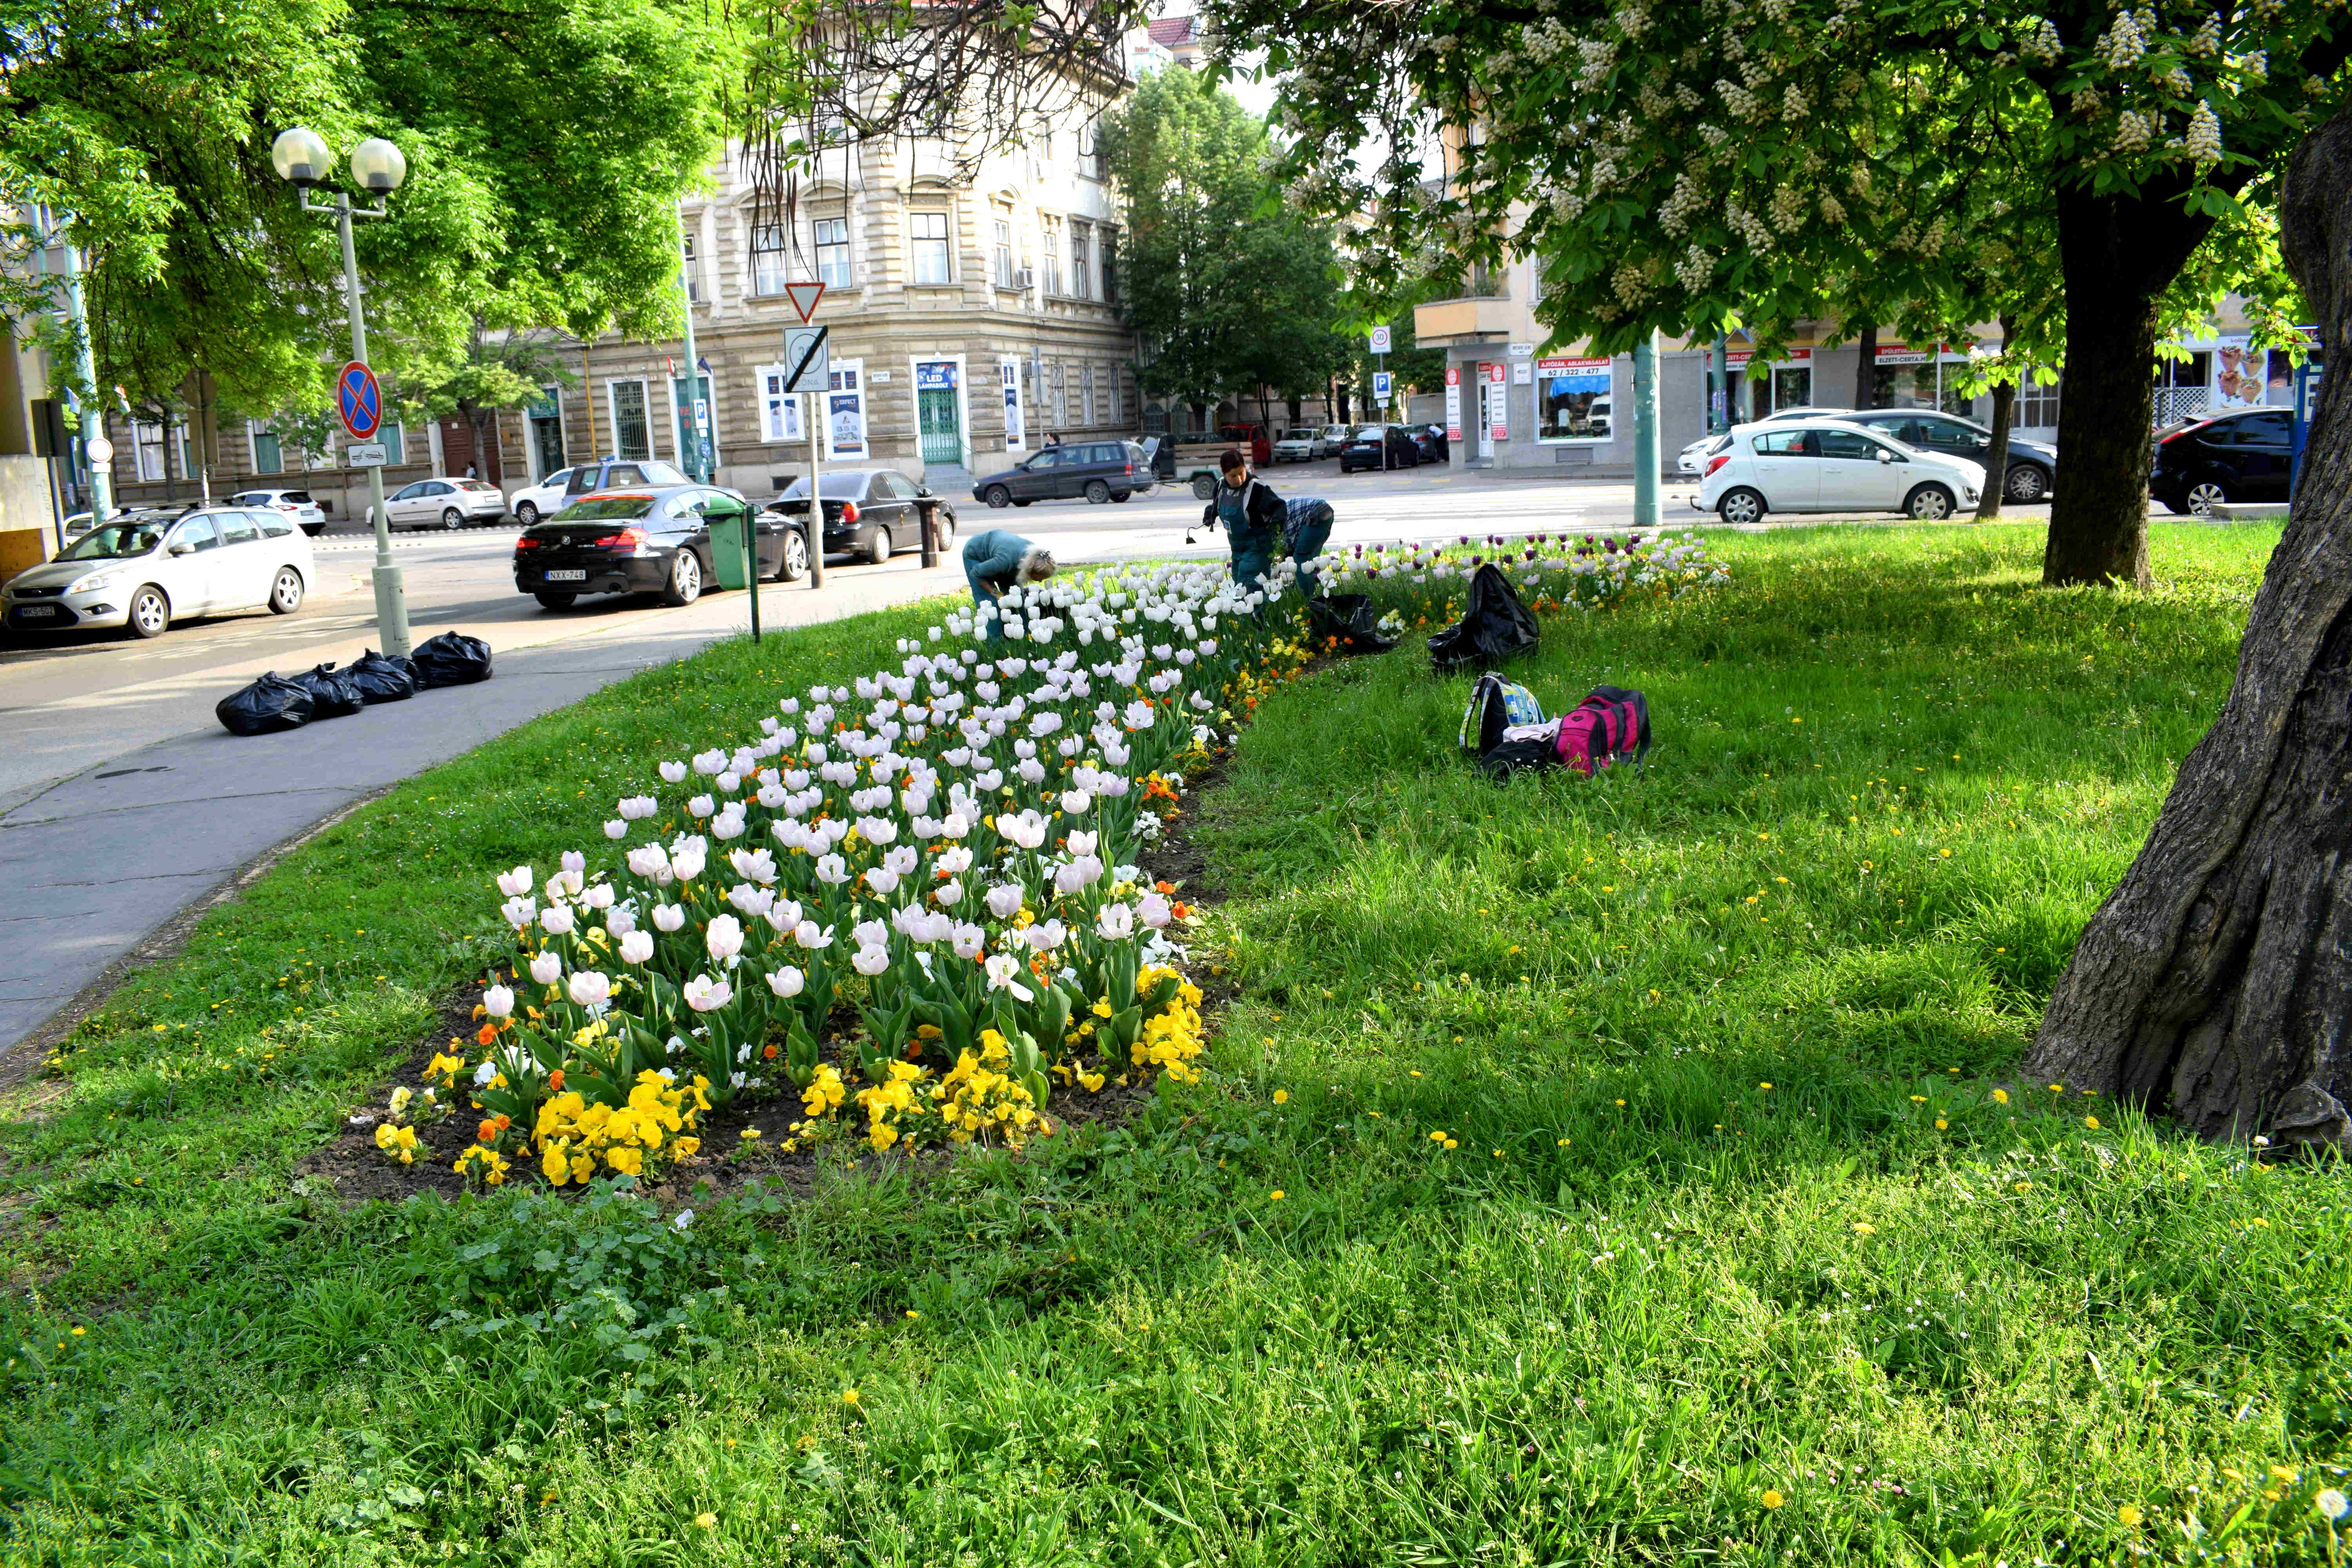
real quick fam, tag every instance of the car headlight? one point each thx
(91, 582)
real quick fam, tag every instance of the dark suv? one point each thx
(2032, 467)
(2245, 457)
(1098, 470)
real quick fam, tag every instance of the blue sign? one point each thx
(2308, 377)
(1381, 382)
(935, 375)
(359, 401)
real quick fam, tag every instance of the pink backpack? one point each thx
(1613, 722)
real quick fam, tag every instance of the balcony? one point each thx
(1441, 322)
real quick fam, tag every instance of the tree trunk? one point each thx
(2005, 405)
(2215, 980)
(2119, 253)
(1866, 376)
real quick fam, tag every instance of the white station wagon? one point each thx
(145, 573)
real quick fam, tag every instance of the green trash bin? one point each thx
(730, 524)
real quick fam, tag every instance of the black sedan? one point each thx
(2247, 457)
(1364, 444)
(651, 541)
(871, 513)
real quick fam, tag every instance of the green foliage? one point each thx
(1229, 290)
(547, 146)
(1638, 1291)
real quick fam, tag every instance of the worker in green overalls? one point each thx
(1252, 516)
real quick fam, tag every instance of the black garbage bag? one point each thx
(270, 704)
(1496, 625)
(383, 676)
(1349, 619)
(333, 692)
(453, 658)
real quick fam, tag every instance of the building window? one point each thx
(1082, 251)
(1117, 394)
(768, 256)
(927, 235)
(1087, 395)
(1053, 226)
(2037, 405)
(1110, 264)
(147, 450)
(1061, 406)
(269, 455)
(389, 436)
(1089, 153)
(833, 252)
(632, 432)
(1004, 253)
(692, 267)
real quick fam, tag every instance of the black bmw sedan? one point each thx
(649, 540)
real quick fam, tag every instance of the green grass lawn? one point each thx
(1593, 1171)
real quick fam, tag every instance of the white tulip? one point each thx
(701, 805)
(705, 994)
(1046, 935)
(1153, 911)
(947, 892)
(599, 897)
(1004, 899)
(870, 961)
(786, 982)
(619, 922)
(545, 967)
(869, 933)
(1115, 922)
(616, 828)
(673, 773)
(519, 913)
(883, 882)
(1076, 801)
(724, 937)
(1001, 970)
(637, 946)
(515, 883)
(955, 862)
(589, 989)
(756, 865)
(832, 870)
(499, 1002)
(556, 920)
(810, 935)
(668, 917)
(968, 940)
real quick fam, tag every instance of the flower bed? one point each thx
(912, 902)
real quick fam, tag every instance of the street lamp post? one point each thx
(302, 159)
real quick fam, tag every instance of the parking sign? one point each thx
(1382, 380)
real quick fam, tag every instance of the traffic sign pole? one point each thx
(391, 589)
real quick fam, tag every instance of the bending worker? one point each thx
(1253, 515)
(994, 561)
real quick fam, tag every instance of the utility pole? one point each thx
(1720, 418)
(85, 368)
(1646, 512)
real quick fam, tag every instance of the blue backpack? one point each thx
(1496, 705)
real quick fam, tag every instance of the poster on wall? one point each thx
(1498, 387)
(1016, 434)
(845, 411)
(780, 411)
(1572, 401)
(2240, 374)
(1453, 403)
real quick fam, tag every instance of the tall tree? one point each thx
(1676, 165)
(531, 199)
(2213, 982)
(1228, 290)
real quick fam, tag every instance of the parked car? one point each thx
(1255, 439)
(609, 473)
(1364, 445)
(2242, 456)
(1692, 459)
(143, 572)
(544, 499)
(294, 506)
(1428, 443)
(651, 541)
(872, 513)
(1833, 465)
(441, 503)
(1098, 470)
(2033, 467)
(1333, 437)
(1303, 443)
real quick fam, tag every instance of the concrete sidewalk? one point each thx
(93, 865)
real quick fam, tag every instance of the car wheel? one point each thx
(2204, 496)
(1740, 508)
(945, 539)
(684, 579)
(998, 497)
(526, 514)
(1098, 492)
(1021, 503)
(1929, 503)
(452, 519)
(795, 565)
(1204, 487)
(556, 601)
(2026, 484)
(314, 529)
(286, 594)
(1121, 495)
(877, 549)
(151, 613)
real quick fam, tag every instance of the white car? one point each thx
(1692, 460)
(143, 573)
(1333, 437)
(544, 499)
(442, 503)
(1829, 465)
(1302, 445)
(296, 506)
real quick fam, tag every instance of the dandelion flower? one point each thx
(2129, 1515)
(1282, 1097)
(1864, 1227)
(2001, 1097)
(2092, 1122)
(1279, 1194)
(1771, 1499)
(707, 1520)
(2332, 1503)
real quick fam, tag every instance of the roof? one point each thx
(1170, 31)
